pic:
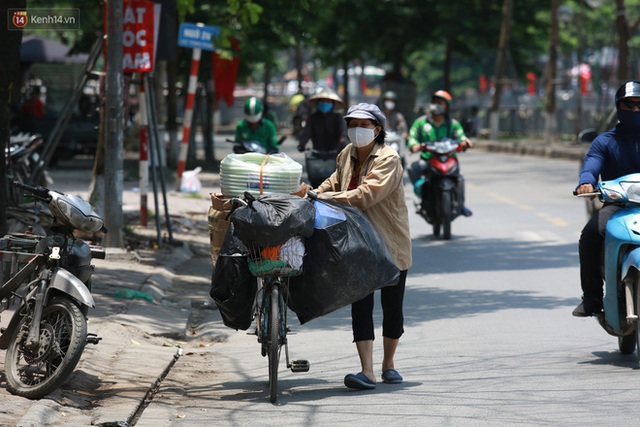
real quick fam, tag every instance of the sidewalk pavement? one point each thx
(142, 338)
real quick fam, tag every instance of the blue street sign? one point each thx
(197, 35)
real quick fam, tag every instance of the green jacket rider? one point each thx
(254, 127)
(436, 125)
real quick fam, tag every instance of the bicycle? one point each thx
(273, 266)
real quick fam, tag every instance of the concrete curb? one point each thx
(162, 279)
(557, 151)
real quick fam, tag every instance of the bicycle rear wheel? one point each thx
(274, 342)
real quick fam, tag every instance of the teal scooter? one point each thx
(622, 262)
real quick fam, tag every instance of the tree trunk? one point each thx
(9, 80)
(622, 28)
(114, 121)
(345, 98)
(207, 126)
(551, 125)
(501, 65)
(267, 79)
(448, 60)
(298, 60)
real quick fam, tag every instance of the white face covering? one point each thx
(436, 108)
(389, 105)
(360, 137)
(253, 119)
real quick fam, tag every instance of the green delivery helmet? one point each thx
(253, 109)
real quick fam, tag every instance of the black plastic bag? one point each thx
(272, 219)
(233, 287)
(346, 260)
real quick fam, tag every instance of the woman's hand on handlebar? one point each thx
(302, 190)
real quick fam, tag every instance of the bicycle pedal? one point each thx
(93, 339)
(299, 366)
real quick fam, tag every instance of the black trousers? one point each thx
(591, 247)
(391, 299)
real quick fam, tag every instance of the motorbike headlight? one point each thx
(82, 222)
(633, 191)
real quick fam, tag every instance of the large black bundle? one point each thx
(272, 219)
(346, 260)
(233, 287)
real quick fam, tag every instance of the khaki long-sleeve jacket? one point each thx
(380, 196)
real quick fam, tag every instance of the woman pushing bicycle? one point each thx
(369, 176)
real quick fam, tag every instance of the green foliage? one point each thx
(248, 11)
(185, 7)
(405, 35)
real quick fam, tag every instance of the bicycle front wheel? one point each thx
(274, 342)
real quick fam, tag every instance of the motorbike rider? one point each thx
(611, 155)
(254, 127)
(325, 127)
(395, 119)
(435, 125)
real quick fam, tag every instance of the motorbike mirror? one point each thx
(587, 136)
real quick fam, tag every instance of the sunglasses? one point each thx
(627, 103)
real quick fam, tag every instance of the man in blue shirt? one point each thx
(612, 154)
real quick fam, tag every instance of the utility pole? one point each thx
(114, 121)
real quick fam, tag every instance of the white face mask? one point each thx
(389, 105)
(436, 108)
(360, 137)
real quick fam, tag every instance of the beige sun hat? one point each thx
(329, 95)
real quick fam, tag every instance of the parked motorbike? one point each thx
(241, 147)
(621, 268)
(398, 143)
(47, 283)
(319, 165)
(439, 204)
(23, 156)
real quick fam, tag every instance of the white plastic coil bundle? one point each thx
(242, 172)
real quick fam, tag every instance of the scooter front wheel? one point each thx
(35, 372)
(637, 331)
(446, 215)
(627, 344)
